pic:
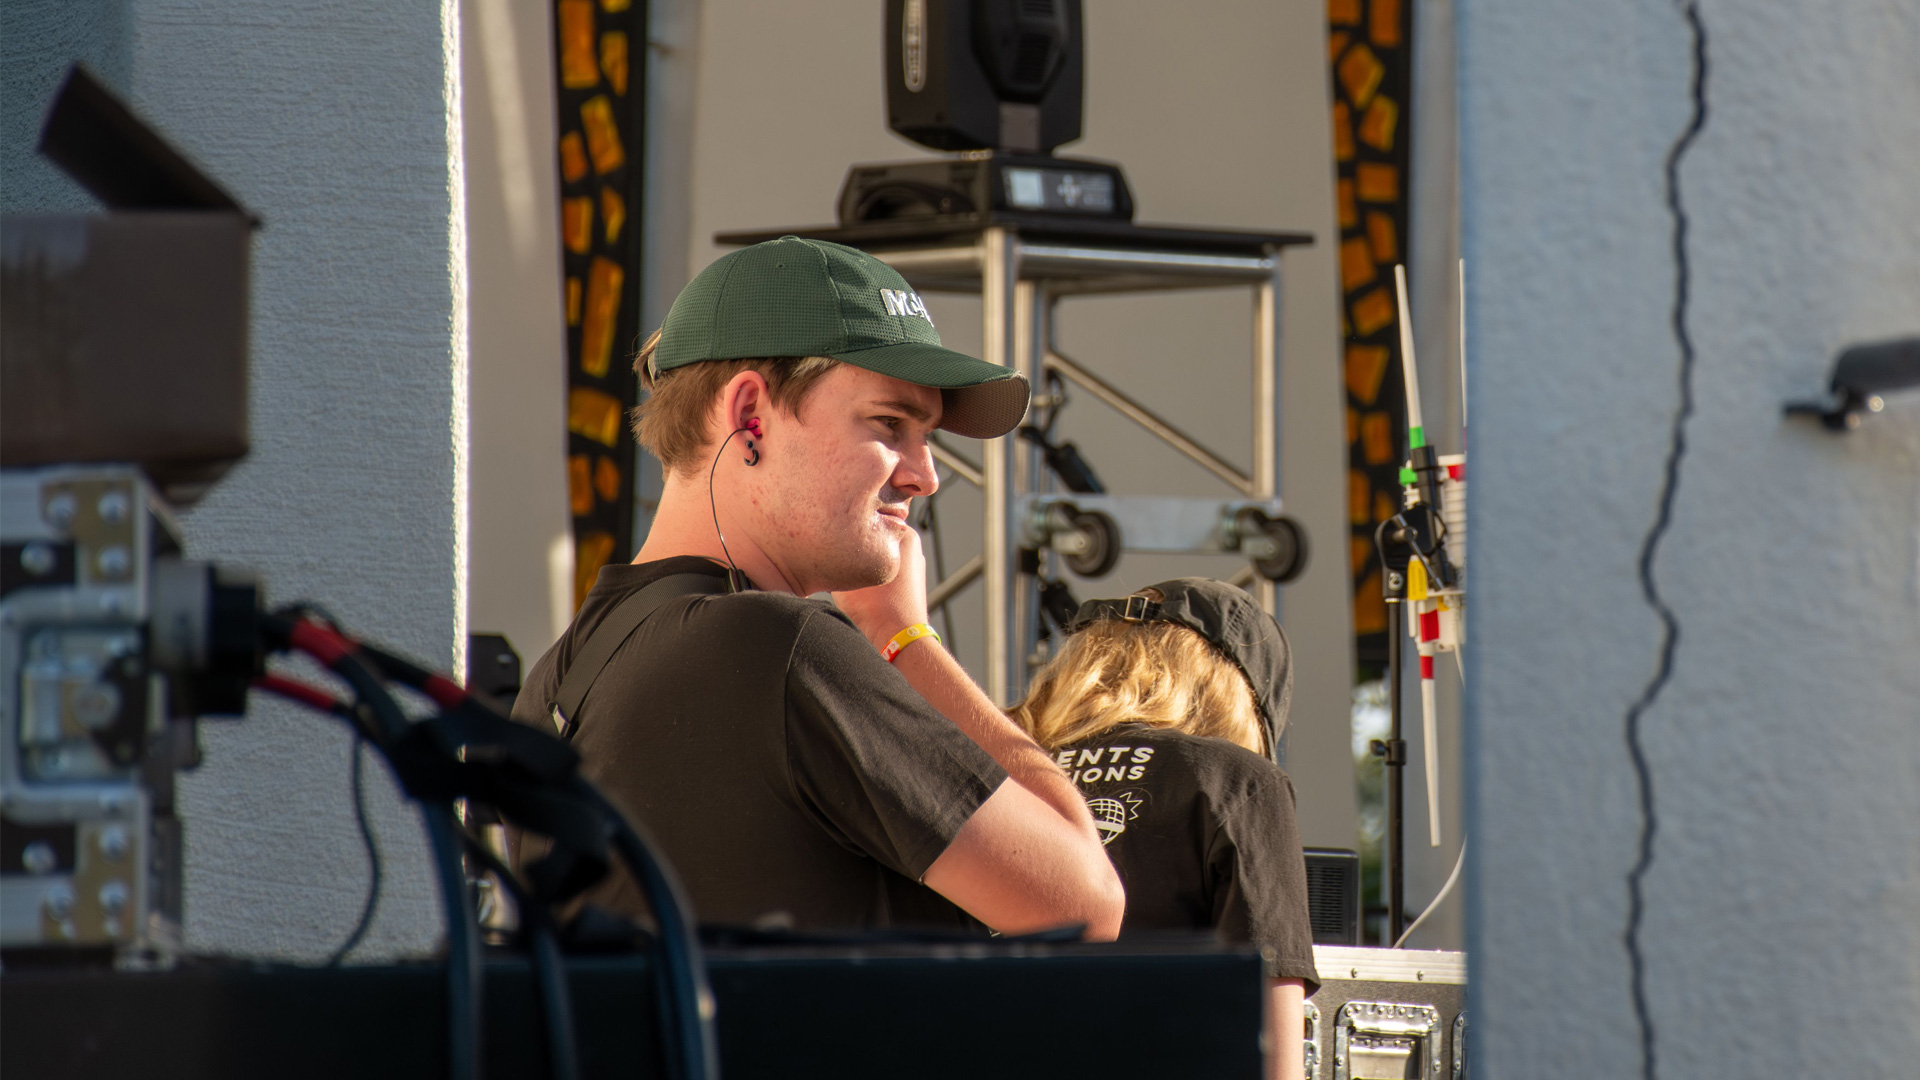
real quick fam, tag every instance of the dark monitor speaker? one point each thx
(1333, 895)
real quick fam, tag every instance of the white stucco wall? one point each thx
(1781, 929)
(338, 125)
(38, 40)
(1219, 114)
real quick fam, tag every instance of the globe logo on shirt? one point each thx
(1111, 814)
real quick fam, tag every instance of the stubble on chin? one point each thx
(873, 561)
(861, 549)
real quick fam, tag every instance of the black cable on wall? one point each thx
(1650, 549)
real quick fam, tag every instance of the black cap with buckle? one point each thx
(1229, 620)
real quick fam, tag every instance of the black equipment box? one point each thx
(1388, 1014)
(123, 337)
(970, 1009)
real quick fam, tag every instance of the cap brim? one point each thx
(980, 400)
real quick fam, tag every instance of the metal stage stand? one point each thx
(1021, 265)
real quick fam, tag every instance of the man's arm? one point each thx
(1029, 857)
(1286, 1029)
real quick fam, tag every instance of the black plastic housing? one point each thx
(984, 183)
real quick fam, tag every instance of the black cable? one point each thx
(550, 974)
(687, 1007)
(686, 1001)
(358, 771)
(549, 968)
(463, 940)
(563, 1048)
(295, 609)
(732, 578)
(1650, 547)
(1056, 389)
(463, 943)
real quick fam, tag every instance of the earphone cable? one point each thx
(733, 575)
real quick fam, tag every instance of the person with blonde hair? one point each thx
(1164, 708)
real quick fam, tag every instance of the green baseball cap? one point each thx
(794, 297)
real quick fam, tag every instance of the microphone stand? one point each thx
(1393, 754)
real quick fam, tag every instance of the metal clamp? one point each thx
(1389, 1034)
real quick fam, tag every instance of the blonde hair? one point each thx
(674, 422)
(1115, 672)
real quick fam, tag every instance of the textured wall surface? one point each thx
(1219, 115)
(38, 40)
(1781, 924)
(333, 124)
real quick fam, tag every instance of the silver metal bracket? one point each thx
(1311, 1040)
(1084, 528)
(1178, 524)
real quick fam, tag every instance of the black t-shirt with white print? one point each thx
(787, 772)
(1202, 833)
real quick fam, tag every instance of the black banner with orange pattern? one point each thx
(1369, 46)
(601, 48)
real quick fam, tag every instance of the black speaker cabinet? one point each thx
(1333, 895)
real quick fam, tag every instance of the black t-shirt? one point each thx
(1203, 835)
(785, 770)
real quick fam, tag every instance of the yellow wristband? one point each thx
(905, 638)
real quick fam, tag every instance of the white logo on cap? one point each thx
(901, 302)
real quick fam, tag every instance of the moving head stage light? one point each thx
(1003, 81)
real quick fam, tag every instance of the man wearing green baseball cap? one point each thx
(804, 763)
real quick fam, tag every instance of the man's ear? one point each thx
(745, 398)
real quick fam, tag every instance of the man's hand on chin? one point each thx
(884, 610)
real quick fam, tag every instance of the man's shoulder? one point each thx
(767, 610)
(796, 624)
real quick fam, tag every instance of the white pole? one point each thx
(1463, 352)
(1416, 431)
(1430, 730)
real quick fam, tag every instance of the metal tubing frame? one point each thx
(999, 274)
(1149, 420)
(1017, 322)
(959, 267)
(1266, 408)
(964, 469)
(938, 596)
(1032, 332)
